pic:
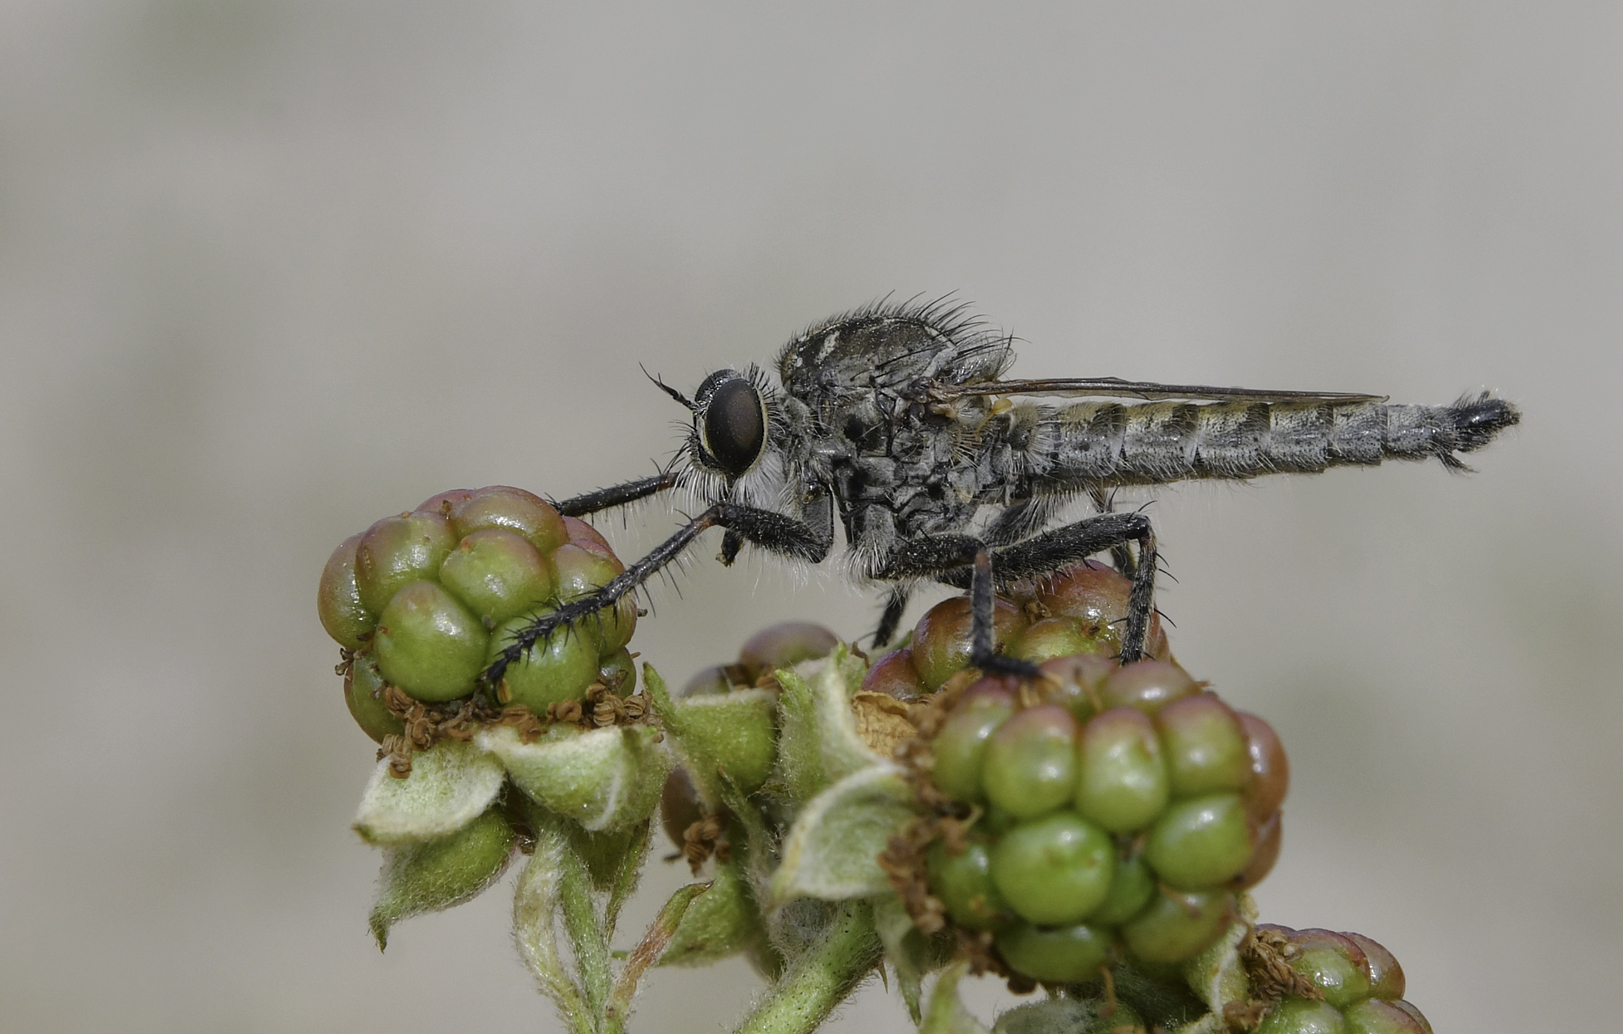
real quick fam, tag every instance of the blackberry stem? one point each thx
(822, 978)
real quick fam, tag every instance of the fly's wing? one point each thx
(1115, 387)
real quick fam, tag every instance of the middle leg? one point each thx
(937, 557)
(1054, 550)
(950, 558)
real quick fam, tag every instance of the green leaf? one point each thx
(759, 843)
(721, 921)
(733, 733)
(817, 740)
(604, 779)
(1217, 975)
(627, 874)
(835, 684)
(653, 945)
(800, 753)
(946, 1013)
(1070, 1016)
(607, 854)
(449, 787)
(832, 850)
(911, 954)
(436, 875)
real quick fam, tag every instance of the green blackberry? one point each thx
(1099, 811)
(1344, 983)
(424, 600)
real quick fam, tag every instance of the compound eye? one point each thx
(734, 426)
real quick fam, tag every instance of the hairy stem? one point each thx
(822, 978)
(653, 945)
(585, 931)
(627, 875)
(535, 904)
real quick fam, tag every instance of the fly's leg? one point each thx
(940, 557)
(541, 628)
(790, 537)
(615, 495)
(1054, 550)
(951, 559)
(982, 649)
(787, 536)
(894, 606)
(1105, 502)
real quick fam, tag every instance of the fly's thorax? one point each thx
(895, 349)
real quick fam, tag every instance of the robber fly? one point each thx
(897, 419)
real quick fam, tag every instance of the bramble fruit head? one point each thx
(499, 573)
(1062, 954)
(1112, 805)
(500, 506)
(963, 882)
(1201, 842)
(338, 601)
(784, 645)
(425, 600)
(894, 675)
(1079, 612)
(1178, 925)
(1205, 743)
(1055, 870)
(960, 746)
(555, 669)
(1358, 984)
(1030, 766)
(398, 550)
(1122, 784)
(363, 692)
(429, 644)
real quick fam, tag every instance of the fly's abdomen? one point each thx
(1172, 441)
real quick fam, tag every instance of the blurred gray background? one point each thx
(271, 270)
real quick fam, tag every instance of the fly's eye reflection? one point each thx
(734, 426)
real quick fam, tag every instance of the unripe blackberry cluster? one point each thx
(424, 602)
(783, 645)
(1080, 611)
(1330, 983)
(1108, 804)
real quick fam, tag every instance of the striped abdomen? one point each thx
(1171, 441)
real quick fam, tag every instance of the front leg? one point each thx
(616, 495)
(781, 534)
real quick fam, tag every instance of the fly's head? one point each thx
(735, 446)
(730, 423)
